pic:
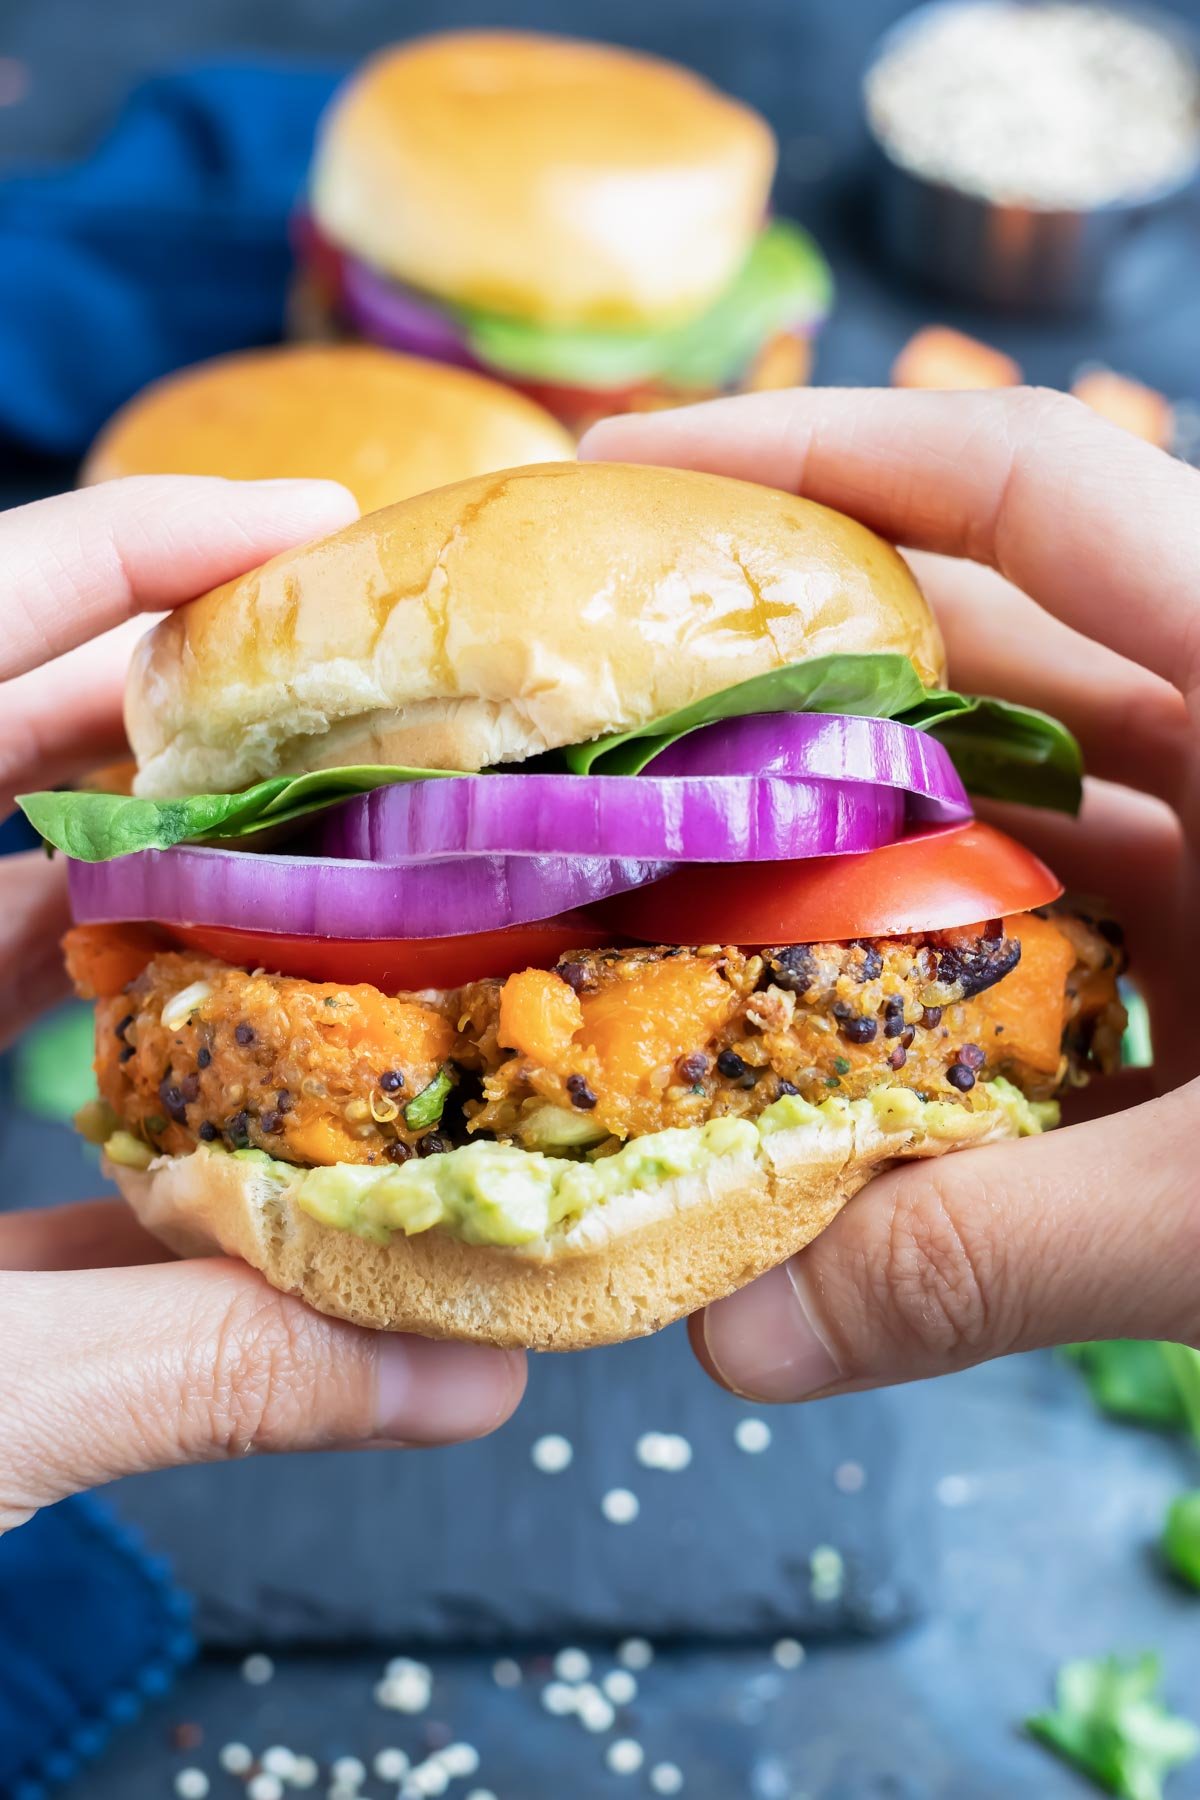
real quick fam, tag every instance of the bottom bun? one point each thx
(623, 1270)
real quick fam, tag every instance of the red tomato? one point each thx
(396, 965)
(927, 883)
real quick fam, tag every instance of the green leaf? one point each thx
(1007, 752)
(784, 282)
(1184, 1364)
(425, 1108)
(97, 827)
(1132, 1380)
(1181, 1537)
(1110, 1724)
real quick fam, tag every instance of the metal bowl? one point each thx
(1016, 257)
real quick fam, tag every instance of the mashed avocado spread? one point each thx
(490, 1193)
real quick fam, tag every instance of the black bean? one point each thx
(391, 1081)
(871, 966)
(786, 1087)
(793, 967)
(237, 1130)
(859, 1031)
(931, 1017)
(189, 1087)
(960, 1077)
(898, 1058)
(692, 1068)
(971, 1056)
(399, 1152)
(203, 1057)
(172, 1099)
(123, 1027)
(270, 1122)
(980, 965)
(731, 1065)
(576, 975)
(124, 1055)
(893, 1016)
(207, 1132)
(433, 1144)
(580, 1092)
(244, 1034)
(283, 1101)
(907, 1036)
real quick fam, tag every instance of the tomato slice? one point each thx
(399, 965)
(931, 882)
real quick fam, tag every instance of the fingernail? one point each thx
(764, 1342)
(433, 1393)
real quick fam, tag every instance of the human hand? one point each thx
(118, 1359)
(1089, 1232)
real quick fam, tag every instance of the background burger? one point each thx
(554, 1054)
(583, 221)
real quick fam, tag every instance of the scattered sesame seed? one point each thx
(236, 1759)
(304, 1772)
(481, 1794)
(390, 1765)
(278, 1761)
(459, 1759)
(401, 1666)
(595, 1712)
(663, 1450)
(635, 1653)
(666, 1778)
(406, 1687)
(348, 1771)
(506, 1673)
(620, 1507)
(558, 1698)
(552, 1454)
(258, 1669)
(620, 1687)
(850, 1477)
(264, 1787)
(191, 1784)
(572, 1665)
(788, 1653)
(953, 1490)
(752, 1435)
(625, 1756)
(428, 1778)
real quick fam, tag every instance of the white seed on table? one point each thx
(788, 1653)
(236, 1759)
(558, 1698)
(506, 1673)
(257, 1669)
(459, 1759)
(620, 1507)
(481, 1794)
(953, 1490)
(752, 1435)
(635, 1653)
(428, 1778)
(264, 1787)
(595, 1712)
(850, 1477)
(625, 1756)
(572, 1665)
(620, 1687)
(552, 1454)
(390, 1765)
(666, 1778)
(191, 1784)
(663, 1450)
(304, 1773)
(348, 1771)
(278, 1761)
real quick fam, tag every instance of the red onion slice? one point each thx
(315, 897)
(392, 315)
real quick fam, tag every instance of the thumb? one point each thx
(1084, 1233)
(114, 1371)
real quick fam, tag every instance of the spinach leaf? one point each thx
(1181, 1537)
(426, 1107)
(1133, 1381)
(1110, 1723)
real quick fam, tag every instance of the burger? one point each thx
(548, 900)
(585, 222)
(384, 425)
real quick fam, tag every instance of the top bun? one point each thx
(384, 425)
(507, 615)
(565, 182)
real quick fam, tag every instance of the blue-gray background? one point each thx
(955, 1614)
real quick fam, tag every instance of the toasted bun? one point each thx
(387, 426)
(565, 182)
(625, 1270)
(506, 615)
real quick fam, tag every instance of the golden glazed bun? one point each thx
(565, 182)
(624, 1270)
(507, 615)
(387, 426)
(504, 616)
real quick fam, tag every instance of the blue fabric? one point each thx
(90, 1628)
(168, 244)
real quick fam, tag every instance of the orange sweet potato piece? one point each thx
(539, 1015)
(1028, 1005)
(655, 1013)
(103, 959)
(1127, 403)
(937, 357)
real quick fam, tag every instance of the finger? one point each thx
(94, 1234)
(1083, 1233)
(78, 564)
(1100, 528)
(33, 916)
(1132, 726)
(115, 1371)
(64, 719)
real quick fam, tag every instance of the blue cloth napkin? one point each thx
(90, 1628)
(168, 244)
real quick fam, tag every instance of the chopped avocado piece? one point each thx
(1110, 1724)
(127, 1151)
(425, 1108)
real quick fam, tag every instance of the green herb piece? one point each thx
(1181, 1537)
(842, 1065)
(425, 1108)
(784, 283)
(97, 827)
(1110, 1724)
(154, 1124)
(832, 1081)
(1131, 1380)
